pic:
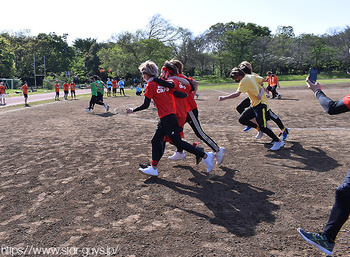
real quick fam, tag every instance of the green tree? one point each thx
(7, 59)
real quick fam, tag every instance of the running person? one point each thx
(273, 84)
(250, 84)
(167, 124)
(95, 86)
(341, 208)
(72, 90)
(246, 67)
(193, 121)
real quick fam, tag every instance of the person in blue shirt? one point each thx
(121, 87)
(109, 87)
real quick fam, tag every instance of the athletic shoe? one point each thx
(259, 135)
(150, 171)
(277, 145)
(267, 96)
(198, 158)
(178, 156)
(279, 96)
(320, 241)
(209, 161)
(107, 107)
(247, 128)
(219, 156)
(285, 133)
(88, 110)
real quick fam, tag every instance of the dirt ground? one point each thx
(70, 181)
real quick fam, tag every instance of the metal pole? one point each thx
(34, 71)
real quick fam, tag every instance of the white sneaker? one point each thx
(88, 110)
(178, 156)
(277, 145)
(259, 135)
(220, 155)
(149, 171)
(107, 107)
(209, 161)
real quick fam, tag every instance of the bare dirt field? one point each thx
(70, 181)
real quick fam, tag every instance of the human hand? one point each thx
(129, 110)
(222, 98)
(313, 85)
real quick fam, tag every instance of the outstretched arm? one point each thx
(330, 106)
(233, 95)
(144, 106)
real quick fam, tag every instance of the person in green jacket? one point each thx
(95, 86)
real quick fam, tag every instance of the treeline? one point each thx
(215, 52)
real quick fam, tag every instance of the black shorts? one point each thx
(25, 95)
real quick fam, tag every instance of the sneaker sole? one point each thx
(146, 173)
(315, 244)
(219, 163)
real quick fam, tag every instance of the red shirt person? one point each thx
(167, 125)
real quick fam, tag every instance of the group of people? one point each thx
(24, 89)
(173, 95)
(97, 90)
(112, 85)
(254, 110)
(66, 86)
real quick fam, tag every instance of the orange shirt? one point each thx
(273, 81)
(25, 89)
(57, 88)
(65, 86)
(114, 83)
(2, 89)
(72, 86)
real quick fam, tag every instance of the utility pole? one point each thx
(65, 36)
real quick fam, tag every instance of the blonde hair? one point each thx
(178, 65)
(149, 68)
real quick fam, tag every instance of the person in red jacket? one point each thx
(2, 93)
(340, 212)
(66, 90)
(57, 90)
(25, 93)
(167, 124)
(72, 90)
(193, 121)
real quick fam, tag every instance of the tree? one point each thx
(7, 59)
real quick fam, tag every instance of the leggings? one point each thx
(271, 115)
(94, 100)
(261, 115)
(340, 211)
(192, 119)
(72, 92)
(168, 126)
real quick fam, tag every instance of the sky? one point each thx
(102, 19)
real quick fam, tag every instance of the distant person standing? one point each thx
(66, 90)
(109, 87)
(121, 87)
(72, 90)
(57, 90)
(114, 87)
(25, 93)
(2, 93)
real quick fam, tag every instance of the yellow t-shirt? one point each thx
(250, 84)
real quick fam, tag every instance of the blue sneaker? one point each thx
(285, 134)
(247, 128)
(320, 241)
